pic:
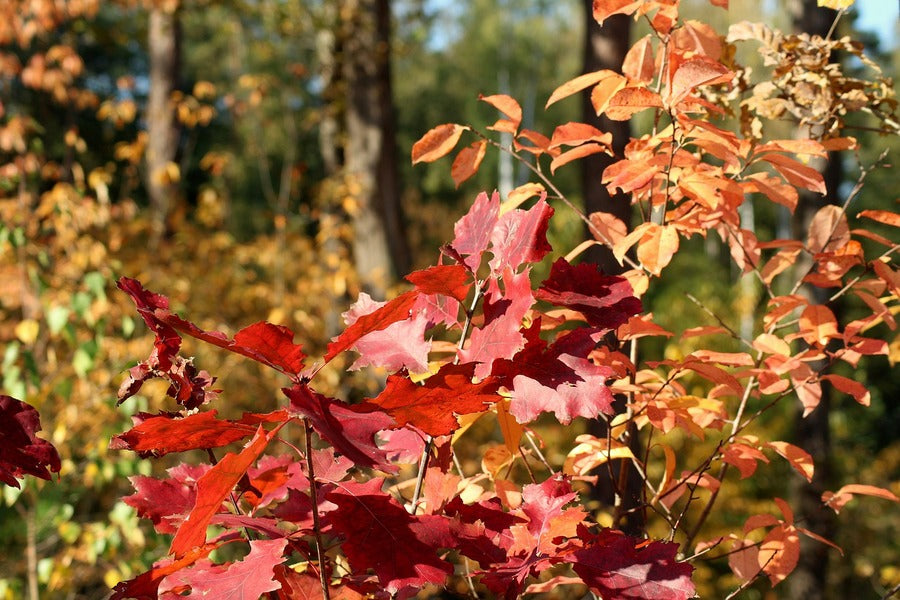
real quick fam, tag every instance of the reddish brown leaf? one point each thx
(212, 488)
(779, 553)
(882, 216)
(433, 406)
(743, 457)
(21, 451)
(775, 190)
(436, 143)
(698, 38)
(467, 162)
(607, 228)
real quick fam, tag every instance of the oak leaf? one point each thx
(21, 451)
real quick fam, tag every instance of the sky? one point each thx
(880, 16)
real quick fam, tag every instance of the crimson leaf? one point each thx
(21, 451)
(164, 433)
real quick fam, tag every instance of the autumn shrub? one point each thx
(310, 495)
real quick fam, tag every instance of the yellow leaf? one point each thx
(27, 331)
(836, 4)
(509, 427)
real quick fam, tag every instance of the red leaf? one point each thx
(166, 502)
(381, 535)
(473, 231)
(251, 577)
(271, 345)
(520, 236)
(163, 434)
(433, 405)
(467, 162)
(21, 451)
(449, 280)
(436, 143)
(351, 433)
(146, 585)
(605, 301)
(616, 566)
(397, 309)
(212, 488)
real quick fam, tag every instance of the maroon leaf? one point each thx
(21, 451)
(616, 566)
(520, 236)
(212, 488)
(379, 534)
(605, 301)
(433, 405)
(351, 433)
(249, 578)
(473, 231)
(162, 434)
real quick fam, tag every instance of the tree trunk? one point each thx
(164, 47)
(809, 579)
(604, 48)
(379, 244)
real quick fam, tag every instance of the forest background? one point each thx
(213, 150)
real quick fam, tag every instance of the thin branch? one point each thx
(317, 528)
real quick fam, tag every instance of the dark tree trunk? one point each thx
(604, 48)
(618, 484)
(809, 580)
(164, 47)
(380, 250)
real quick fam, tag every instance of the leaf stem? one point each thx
(317, 528)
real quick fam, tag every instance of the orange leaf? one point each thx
(509, 107)
(837, 500)
(828, 230)
(733, 359)
(848, 386)
(798, 457)
(779, 553)
(520, 195)
(779, 263)
(582, 82)
(744, 560)
(775, 190)
(806, 147)
(694, 73)
(771, 344)
(631, 100)
(639, 64)
(467, 162)
(605, 90)
(699, 38)
(882, 216)
(704, 330)
(604, 9)
(576, 153)
(436, 143)
(607, 228)
(887, 275)
(818, 324)
(744, 458)
(509, 427)
(574, 134)
(657, 246)
(797, 173)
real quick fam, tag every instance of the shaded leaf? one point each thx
(467, 162)
(21, 451)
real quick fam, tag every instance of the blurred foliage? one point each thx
(73, 218)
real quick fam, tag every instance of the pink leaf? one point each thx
(520, 236)
(473, 231)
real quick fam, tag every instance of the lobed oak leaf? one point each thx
(249, 578)
(616, 566)
(350, 432)
(166, 502)
(520, 236)
(588, 396)
(21, 451)
(466, 163)
(146, 585)
(437, 142)
(448, 280)
(212, 488)
(605, 301)
(473, 231)
(379, 534)
(432, 407)
(395, 310)
(400, 345)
